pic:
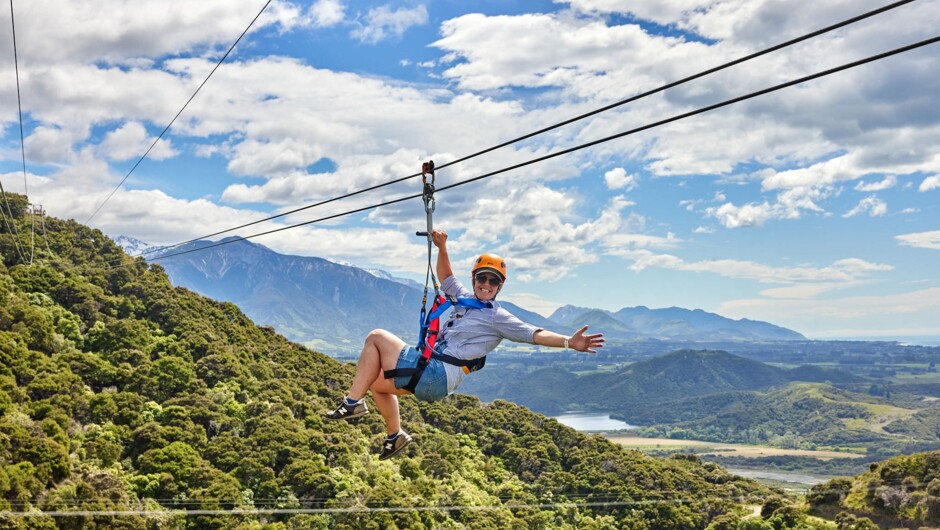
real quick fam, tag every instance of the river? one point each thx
(778, 476)
(592, 422)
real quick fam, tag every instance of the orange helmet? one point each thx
(490, 263)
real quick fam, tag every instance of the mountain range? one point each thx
(332, 305)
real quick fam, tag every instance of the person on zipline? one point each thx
(469, 334)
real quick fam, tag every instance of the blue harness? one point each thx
(427, 340)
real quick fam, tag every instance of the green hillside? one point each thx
(801, 415)
(669, 377)
(902, 492)
(119, 392)
(720, 397)
(687, 373)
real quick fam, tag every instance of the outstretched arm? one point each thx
(579, 341)
(443, 260)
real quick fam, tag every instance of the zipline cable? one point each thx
(11, 226)
(19, 106)
(45, 237)
(559, 124)
(585, 497)
(678, 117)
(353, 509)
(167, 128)
(739, 498)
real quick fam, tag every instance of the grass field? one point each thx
(724, 449)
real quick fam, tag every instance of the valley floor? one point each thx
(723, 449)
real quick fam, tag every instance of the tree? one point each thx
(772, 505)
(179, 460)
(727, 521)
(848, 521)
(173, 376)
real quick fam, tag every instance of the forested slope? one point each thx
(901, 492)
(120, 392)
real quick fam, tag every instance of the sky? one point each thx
(813, 207)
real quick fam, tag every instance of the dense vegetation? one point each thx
(902, 492)
(119, 392)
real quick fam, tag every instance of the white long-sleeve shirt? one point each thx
(471, 333)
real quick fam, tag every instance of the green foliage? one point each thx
(902, 490)
(848, 521)
(755, 524)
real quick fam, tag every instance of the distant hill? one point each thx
(685, 373)
(133, 246)
(305, 298)
(333, 305)
(536, 319)
(677, 323)
(817, 374)
(669, 377)
(797, 415)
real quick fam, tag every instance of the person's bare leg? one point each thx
(384, 395)
(379, 353)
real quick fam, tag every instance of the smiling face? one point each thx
(486, 285)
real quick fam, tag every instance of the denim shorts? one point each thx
(433, 383)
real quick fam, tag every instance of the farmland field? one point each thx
(724, 449)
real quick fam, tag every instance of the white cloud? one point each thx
(789, 204)
(543, 233)
(587, 60)
(618, 178)
(806, 291)
(842, 271)
(382, 23)
(530, 301)
(745, 20)
(704, 230)
(326, 13)
(732, 216)
(181, 219)
(889, 182)
(930, 183)
(60, 31)
(626, 243)
(132, 141)
(824, 173)
(929, 240)
(662, 11)
(873, 205)
(52, 144)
